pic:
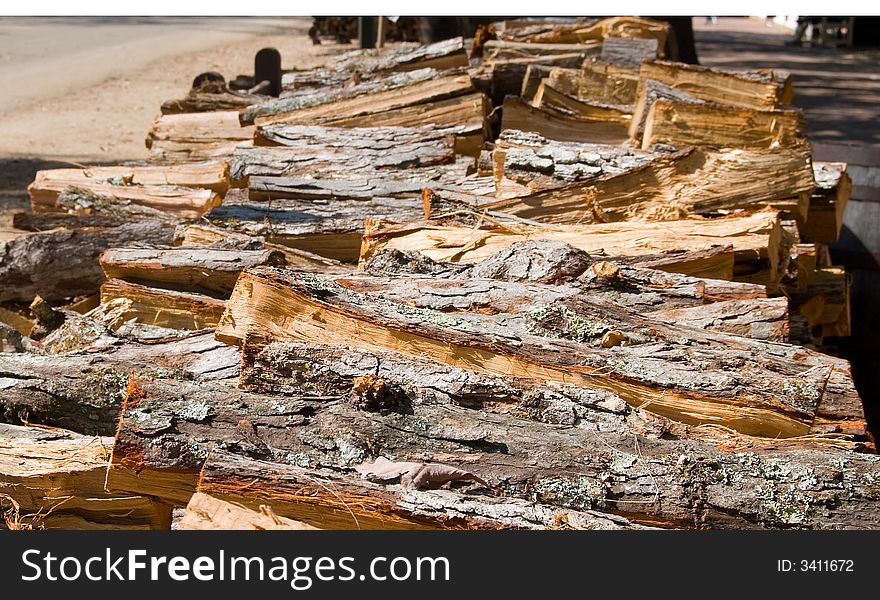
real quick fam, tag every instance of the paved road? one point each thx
(48, 57)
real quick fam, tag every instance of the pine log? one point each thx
(827, 204)
(160, 307)
(356, 503)
(205, 271)
(54, 479)
(298, 260)
(553, 32)
(168, 430)
(194, 137)
(763, 89)
(319, 151)
(628, 52)
(517, 115)
(685, 124)
(599, 82)
(207, 513)
(269, 302)
(757, 242)
(671, 185)
(61, 263)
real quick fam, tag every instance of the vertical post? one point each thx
(380, 32)
(267, 67)
(367, 32)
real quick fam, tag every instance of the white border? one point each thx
(443, 7)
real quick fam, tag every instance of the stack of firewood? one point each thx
(566, 284)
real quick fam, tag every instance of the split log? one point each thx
(83, 392)
(628, 52)
(184, 203)
(685, 124)
(167, 432)
(764, 319)
(207, 513)
(197, 101)
(532, 78)
(205, 271)
(553, 32)
(519, 116)
(47, 185)
(551, 100)
(78, 208)
(827, 204)
(62, 263)
(54, 479)
(319, 151)
(268, 302)
(416, 87)
(321, 216)
(598, 82)
(670, 185)
(160, 307)
(763, 89)
(298, 260)
(825, 303)
(649, 92)
(194, 137)
(756, 242)
(373, 64)
(356, 503)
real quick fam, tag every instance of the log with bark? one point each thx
(194, 137)
(588, 341)
(316, 219)
(686, 124)
(54, 479)
(47, 185)
(668, 185)
(825, 303)
(78, 382)
(203, 270)
(628, 52)
(742, 247)
(202, 101)
(217, 237)
(585, 30)
(557, 448)
(302, 150)
(356, 503)
(62, 263)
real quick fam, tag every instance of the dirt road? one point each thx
(85, 90)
